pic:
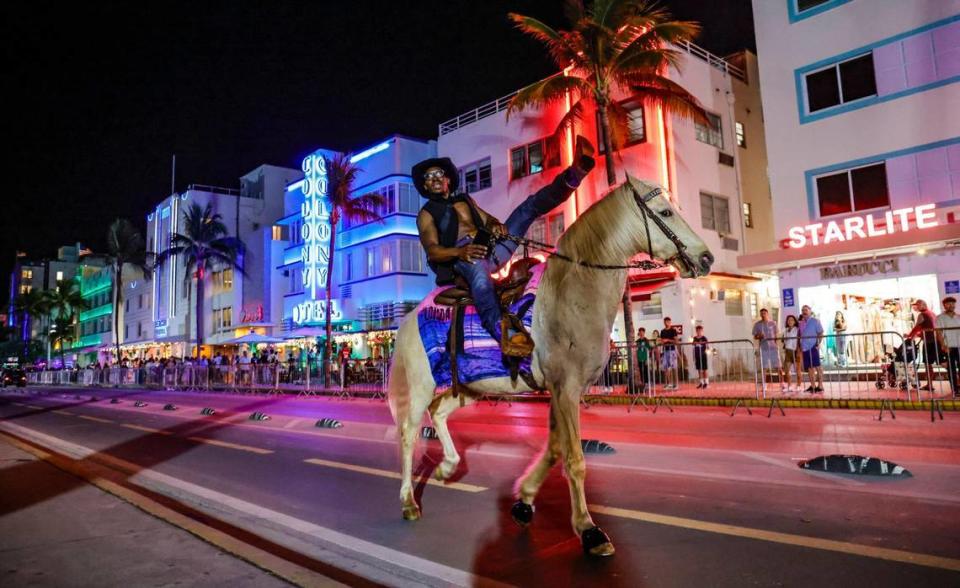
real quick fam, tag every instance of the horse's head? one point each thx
(671, 238)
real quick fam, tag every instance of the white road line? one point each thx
(391, 474)
(228, 445)
(93, 418)
(147, 429)
(376, 562)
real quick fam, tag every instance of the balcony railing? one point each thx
(500, 104)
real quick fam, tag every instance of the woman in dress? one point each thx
(791, 351)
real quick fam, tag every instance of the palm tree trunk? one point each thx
(118, 286)
(199, 310)
(627, 302)
(328, 348)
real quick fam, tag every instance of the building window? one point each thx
(636, 125)
(711, 135)
(25, 288)
(126, 331)
(140, 301)
(371, 262)
(741, 138)
(411, 256)
(386, 258)
(715, 213)
(803, 5)
(534, 157)
(126, 305)
(841, 83)
(538, 231)
(227, 277)
(347, 273)
(476, 176)
(652, 307)
(276, 233)
(556, 228)
(139, 330)
(26, 274)
(748, 215)
(409, 198)
(852, 190)
(227, 317)
(754, 307)
(59, 276)
(733, 302)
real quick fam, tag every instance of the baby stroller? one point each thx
(900, 368)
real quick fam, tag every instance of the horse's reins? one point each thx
(644, 264)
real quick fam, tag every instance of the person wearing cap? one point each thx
(450, 220)
(925, 326)
(948, 336)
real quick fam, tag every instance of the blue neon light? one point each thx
(371, 151)
(295, 186)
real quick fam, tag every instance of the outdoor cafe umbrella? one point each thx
(253, 339)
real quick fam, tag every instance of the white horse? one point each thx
(572, 319)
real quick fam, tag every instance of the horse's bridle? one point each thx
(648, 214)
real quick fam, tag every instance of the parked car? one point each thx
(14, 377)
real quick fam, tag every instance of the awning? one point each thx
(252, 339)
(643, 290)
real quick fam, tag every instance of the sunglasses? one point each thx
(434, 175)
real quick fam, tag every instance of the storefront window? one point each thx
(733, 302)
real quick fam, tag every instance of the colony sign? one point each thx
(315, 234)
(866, 226)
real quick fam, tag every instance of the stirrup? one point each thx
(515, 341)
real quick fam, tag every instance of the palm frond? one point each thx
(570, 119)
(558, 46)
(656, 90)
(573, 10)
(546, 91)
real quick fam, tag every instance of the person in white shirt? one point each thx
(948, 338)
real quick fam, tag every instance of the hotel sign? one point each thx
(866, 226)
(315, 234)
(867, 268)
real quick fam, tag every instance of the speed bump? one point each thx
(594, 446)
(428, 433)
(208, 411)
(329, 424)
(139, 404)
(170, 407)
(259, 416)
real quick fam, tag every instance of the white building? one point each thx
(715, 175)
(234, 303)
(860, 101)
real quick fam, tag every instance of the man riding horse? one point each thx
(452, 227)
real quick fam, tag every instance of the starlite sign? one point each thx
(315, 234)
(902, 220)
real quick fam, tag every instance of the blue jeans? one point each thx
(477, 273)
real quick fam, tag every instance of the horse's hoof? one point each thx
(522, 513)
(411, 513)
(596, 543)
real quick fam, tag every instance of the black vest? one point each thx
(448, 227)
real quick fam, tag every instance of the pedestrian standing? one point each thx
(700, 356)
(765, 331)
(791, 351)
(668, 336)
(643, 357)
(657, 352)
(948, 336)
(926, 328)
(811, 334)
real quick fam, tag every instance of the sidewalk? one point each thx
(82, 536)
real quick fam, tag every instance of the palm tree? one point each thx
(203, 246)
(341, 176)
(29, 305)
(63, 305)
(624, 45)
(125, 247)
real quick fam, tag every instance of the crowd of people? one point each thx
(788, 351)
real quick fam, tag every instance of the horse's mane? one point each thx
(610, 231)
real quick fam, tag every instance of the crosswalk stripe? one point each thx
(391, 474)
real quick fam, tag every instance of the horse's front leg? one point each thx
(529, 484)
(595, 542)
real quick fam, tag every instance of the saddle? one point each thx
(516, 343)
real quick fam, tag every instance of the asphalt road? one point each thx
(690, 498)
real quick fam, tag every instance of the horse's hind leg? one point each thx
(441, 408)
(529, 484)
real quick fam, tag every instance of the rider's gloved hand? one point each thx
(583, 155)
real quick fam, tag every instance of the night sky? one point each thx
(100, 94)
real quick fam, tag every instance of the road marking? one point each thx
(897, 555)
(34, 406)
(391, 474)
(230, 445)
(293, 423)
(93, 418)
(379, 563)
(67, 412)
(147, 429)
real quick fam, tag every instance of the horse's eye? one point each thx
(666, 213)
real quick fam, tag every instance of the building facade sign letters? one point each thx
(867, 268)
(315, 234)
(863, 227)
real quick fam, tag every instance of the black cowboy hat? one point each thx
(443, 163)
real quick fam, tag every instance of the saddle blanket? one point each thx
(481, 358)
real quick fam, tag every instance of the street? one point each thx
(692, 497)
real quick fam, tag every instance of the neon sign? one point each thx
(862, 227)
(315, 234)
(315, 311)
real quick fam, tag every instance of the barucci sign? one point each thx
(865, 226)
(315, 234)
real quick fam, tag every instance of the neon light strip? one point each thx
(371, 151)
(664, 172)
(574, 204)
(295, 186)
(99, 311)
